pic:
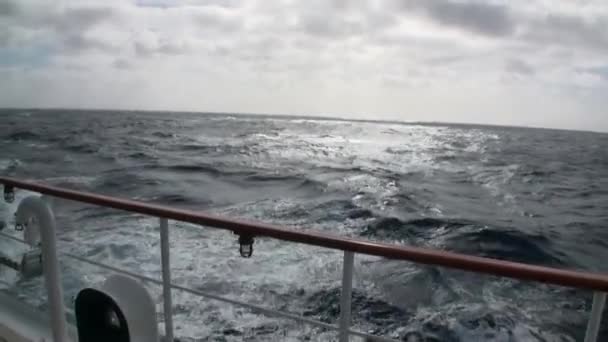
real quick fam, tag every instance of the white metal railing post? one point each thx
(347, 291)
(36, 207)
(166, 270)
(593, 326)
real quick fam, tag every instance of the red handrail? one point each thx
(570, 278)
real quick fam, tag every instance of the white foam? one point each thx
(6, 164)
(83, 180)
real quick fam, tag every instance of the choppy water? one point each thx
(529, 195)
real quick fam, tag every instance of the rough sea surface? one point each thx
(529, 195)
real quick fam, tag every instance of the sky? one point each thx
(518, 62)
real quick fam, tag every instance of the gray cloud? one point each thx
(65, 19)
(569, 31)
(477, 17)
(143, 50)
(173, 48)
(444, 60)
(219, 19)
(66, 29)
(601, 71)
(518, 66)
(164, 47)
(8, 8)
(5, 37)
(333, 20)
(74, 20)
(121, 63)
(75, 43)
(180, 3)
(320, 25)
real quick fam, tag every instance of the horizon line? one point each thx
(328, 117)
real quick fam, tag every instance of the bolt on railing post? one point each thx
(36, 207)
(347, 290)
(166, 270)
(593, 326)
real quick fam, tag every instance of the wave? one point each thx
(195, 147)
(271, 178)
(9, 164)
(446, 158)
(412, 326)
(83, 147)
(338, 210)
(295, 182)
(192, 147)
(279, 178)
(163, 135)
(391, 150)
(71, 180)
(23, 135)
(141, 156)
(89, 214)
(218, 170)
(325, 306)
(359, 213)
(338, 169)
(450, 322)
(179, 199)
(121, 181)
(508, 245)
(537, 173)
(395, 228)
(196, 168)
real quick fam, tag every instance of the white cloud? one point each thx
(508, 62)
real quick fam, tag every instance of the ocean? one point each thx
(536, 196)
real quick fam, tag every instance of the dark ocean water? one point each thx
(530, 195)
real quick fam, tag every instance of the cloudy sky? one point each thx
(518, 62)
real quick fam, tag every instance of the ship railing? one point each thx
(595, 282)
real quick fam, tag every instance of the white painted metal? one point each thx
(593, 326)
(34, 207)
(165, 251)
(22, 323)
(10, 237)
(137, 306)
(347, 291)
(31, 264)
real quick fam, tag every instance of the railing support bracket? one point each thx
(593, 326)
(166, 270)
(347, 291)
